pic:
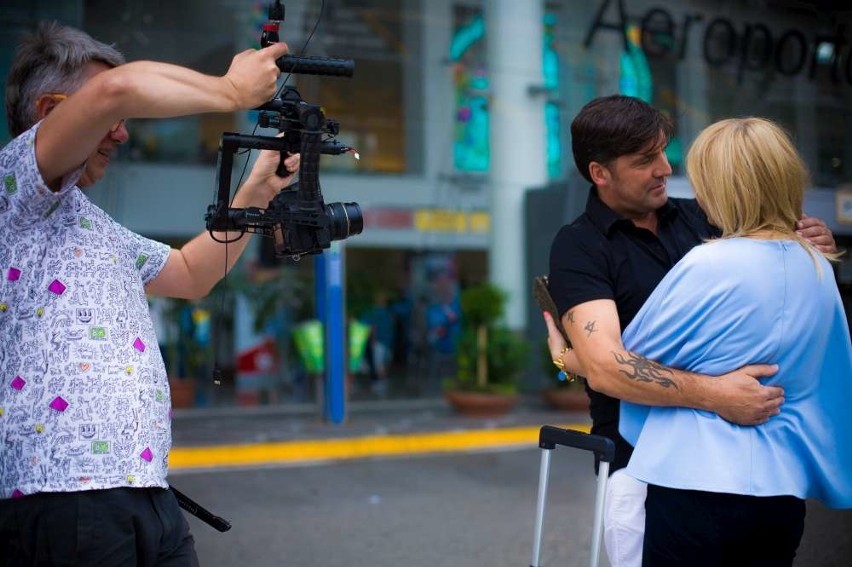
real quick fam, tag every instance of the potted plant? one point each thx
(562, 392)
(490, 356)
(184, 355)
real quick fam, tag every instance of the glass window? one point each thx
(704, 61)
(204, 35)
(552, 108)
(471, 152)
(470, 85)
(369, 106)
(195, 34)
(790, 68)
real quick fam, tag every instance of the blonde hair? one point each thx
(748, 178)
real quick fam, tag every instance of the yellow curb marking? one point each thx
(354, 448)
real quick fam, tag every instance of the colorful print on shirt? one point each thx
(84, 400)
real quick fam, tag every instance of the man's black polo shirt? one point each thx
(602, 255)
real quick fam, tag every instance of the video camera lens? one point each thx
(345, 219)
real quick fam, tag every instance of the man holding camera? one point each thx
(84, 401)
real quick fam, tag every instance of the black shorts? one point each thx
(703, 529)
(120, 527)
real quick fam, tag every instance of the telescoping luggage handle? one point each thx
(548, 438)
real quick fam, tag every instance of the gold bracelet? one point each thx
(559, 363)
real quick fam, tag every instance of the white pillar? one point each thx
(436, 85)
(518, 151)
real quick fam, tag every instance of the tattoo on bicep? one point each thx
(590, 328)
(641, 369)
(570, 315)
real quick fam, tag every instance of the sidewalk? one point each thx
(206, 439)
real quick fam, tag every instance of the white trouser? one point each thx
(624, 519)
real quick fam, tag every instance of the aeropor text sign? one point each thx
(748, 45)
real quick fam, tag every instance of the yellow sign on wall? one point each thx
(445, 220)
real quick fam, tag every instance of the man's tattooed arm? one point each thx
(641, 369)
(635, 367)
(589, 327)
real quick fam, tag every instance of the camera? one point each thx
(297, 219)
(309, 226)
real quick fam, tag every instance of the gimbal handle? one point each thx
(316, 65)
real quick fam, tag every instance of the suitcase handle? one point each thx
(604, 448)
(549, 437)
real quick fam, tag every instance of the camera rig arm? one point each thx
(297, 218)
(221, 217)
(308, 142)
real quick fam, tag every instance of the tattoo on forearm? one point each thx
(641, 369)
(590, 328)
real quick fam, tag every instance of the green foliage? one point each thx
(270, 292)
(183, 355)
(472, 386)
(506, 352)
(482, 304)
(361, 289)
(506, 356)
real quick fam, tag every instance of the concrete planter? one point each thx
(182, 391)
(480, 404)
(566, 399)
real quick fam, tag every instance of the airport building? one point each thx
(459, 111)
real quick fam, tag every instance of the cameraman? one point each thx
(84, 404)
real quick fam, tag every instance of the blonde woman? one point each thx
(719, 493)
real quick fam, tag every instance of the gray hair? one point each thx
(52, 59)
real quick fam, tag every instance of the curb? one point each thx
(289, 453)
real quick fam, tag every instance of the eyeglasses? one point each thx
(59, 97)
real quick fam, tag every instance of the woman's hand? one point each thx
(555, 343)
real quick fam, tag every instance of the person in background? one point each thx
(605, 264)
(381, 319)
(720, 494)
(443, 324)
(419, 339)
(85, 430)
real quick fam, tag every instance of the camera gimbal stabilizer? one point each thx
(298, 219)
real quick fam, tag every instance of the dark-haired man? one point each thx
(603, 267)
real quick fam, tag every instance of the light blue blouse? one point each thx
(729, 303)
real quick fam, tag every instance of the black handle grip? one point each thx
(549, 437)
(316, 66)
(191, 506)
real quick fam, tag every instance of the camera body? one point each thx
(308, 227)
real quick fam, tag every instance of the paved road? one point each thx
(450, 510)
(459, 509)
(472, 510)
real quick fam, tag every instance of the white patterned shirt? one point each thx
(84, 398)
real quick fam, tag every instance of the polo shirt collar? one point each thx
(605, 218)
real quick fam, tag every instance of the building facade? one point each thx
(460, 110)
